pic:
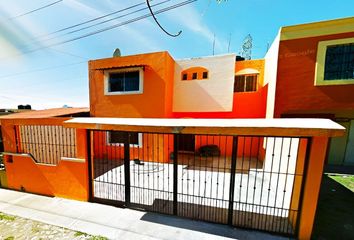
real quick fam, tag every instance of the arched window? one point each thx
(246, 80)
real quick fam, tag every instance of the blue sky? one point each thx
(57, 75)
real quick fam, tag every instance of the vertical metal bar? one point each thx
(127, 168)
(232, 179)
(89, 163)
(16, 138)
(175, 172)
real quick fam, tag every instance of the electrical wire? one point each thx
(102, 22)
(158, 24)
(35, 10)
(110, 27)
(88, 21)
(41, 69)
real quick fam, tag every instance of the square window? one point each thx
(194, 76)
(245, 83)
(184, 76)
(124, 81)
(339, 63)
(205, 75)
(335, 62)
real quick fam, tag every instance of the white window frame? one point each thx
(321, 61)
(140, 141)
(132, 69)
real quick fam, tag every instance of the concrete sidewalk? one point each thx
(113, 222)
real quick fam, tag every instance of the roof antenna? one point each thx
(228, 47)
(214, 45)
(153, 15)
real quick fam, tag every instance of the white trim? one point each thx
(141, 81)
(140, 141)
(68, 159)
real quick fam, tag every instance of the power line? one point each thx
(102, 22)
(41, 69)
(111, 27)
(158, 24)
(88, 21)
(35, 10)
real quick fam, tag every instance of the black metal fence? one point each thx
(46, 143)
(250, 182)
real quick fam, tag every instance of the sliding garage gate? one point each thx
(251, 182)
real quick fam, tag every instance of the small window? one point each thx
(205, 75)
(194, 76)
(124, 81)
(118, 138)
(184, 76)
(245, 83)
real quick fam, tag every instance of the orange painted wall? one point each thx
(156, 99)
(67, 179)
(246, 146)
(295, 90)
(155, 147)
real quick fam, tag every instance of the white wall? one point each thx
(212, 95)
(270, 74)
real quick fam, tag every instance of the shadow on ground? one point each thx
(210, 228)
(334, 216)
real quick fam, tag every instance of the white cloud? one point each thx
(191, 19)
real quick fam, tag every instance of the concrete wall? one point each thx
(68, 178)
(214, 94)
(270, 75)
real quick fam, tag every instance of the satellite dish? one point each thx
(116, 53)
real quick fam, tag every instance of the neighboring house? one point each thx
(310, 68)
(4, 112)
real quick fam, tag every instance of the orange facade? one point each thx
(156, 99)
(295, 88)
(69, 178)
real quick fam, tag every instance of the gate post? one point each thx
(175, 172)
(232, 179)
(89, 141)
(127, 167)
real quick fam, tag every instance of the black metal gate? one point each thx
(250, 182)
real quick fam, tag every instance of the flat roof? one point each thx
(252, 127)
(52, 112)
(320, 28)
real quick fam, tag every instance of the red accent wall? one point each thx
(295, 90)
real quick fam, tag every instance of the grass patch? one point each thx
(7, 217)
(346, 180)
(334, 219)
(78, 234)
(10, 238)
(35, 228)
(98, 238)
